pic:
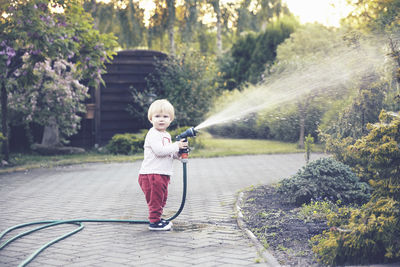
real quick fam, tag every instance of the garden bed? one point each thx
(279, 228)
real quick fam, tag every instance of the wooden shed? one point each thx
(107, 111)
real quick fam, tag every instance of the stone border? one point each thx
(268, 258)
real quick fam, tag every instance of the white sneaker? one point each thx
(160, 226)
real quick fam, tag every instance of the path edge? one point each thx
(268, 258)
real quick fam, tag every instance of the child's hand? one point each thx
(183, 144)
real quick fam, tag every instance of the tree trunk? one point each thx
(4, 120)
(219, 38)
(51, 134)
(302, 129)
(302, 122)
(171, 23)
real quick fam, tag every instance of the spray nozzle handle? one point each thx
(183, 136)
(188, 133)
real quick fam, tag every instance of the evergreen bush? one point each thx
(325, 178)
(361, 236)
(371, 233)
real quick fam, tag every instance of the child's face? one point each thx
(161, 121)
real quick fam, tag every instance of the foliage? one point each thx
(377, 156)
(283, 122)
(372, 231)
(361, 236)
(126, 144)
(255, 19)
(364, 109)
(41, 101)
(244, 128)
(318, 209)
(139, 106)
(337, 147)
(309, 144)
(253, 52)
(308, 43)
(280, 124)
(375, 15)
(188, 82)
(324, 178)
(43, 50)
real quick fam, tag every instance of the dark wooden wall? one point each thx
(128, 68)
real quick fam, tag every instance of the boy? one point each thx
(156, 169)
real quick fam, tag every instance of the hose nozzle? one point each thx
(188, 133)
(183, 136)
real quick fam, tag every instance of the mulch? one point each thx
(279, 228)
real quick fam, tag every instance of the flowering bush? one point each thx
(56, 91)
(44, 54)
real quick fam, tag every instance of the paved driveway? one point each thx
(205, 234)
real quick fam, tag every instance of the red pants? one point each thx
(155, 189)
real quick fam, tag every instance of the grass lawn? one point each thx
(211, 147)
(219, 147)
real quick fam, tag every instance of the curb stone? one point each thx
(268, 258)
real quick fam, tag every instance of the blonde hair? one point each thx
(161, 106)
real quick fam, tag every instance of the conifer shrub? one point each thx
(369, 234)
(325, 178)
(361, 236)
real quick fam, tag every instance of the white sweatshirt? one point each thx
(159, 153)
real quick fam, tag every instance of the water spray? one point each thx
(191, 132)
(337, 69)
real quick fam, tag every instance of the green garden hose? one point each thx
(78, 222)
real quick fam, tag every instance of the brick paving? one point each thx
(205, 234)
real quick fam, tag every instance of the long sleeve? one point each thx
(161, 144)
(159, 153)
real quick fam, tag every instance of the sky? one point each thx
(327, 12)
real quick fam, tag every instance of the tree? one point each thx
(266, 10)
(309, 44)
(372, 15)
(254, 16)
(252, 53)
(217, 10)
(54, 100)
(34, 40)
(190, 21)
(157, 26)
(171, 25)
(125, 19)
(187, 80)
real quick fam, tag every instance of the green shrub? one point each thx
(377, 156)
(325, 178)
(369, 234)
(317, 209)
(127, 143)
(308, 145)
(361, 236)
(245, 128)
